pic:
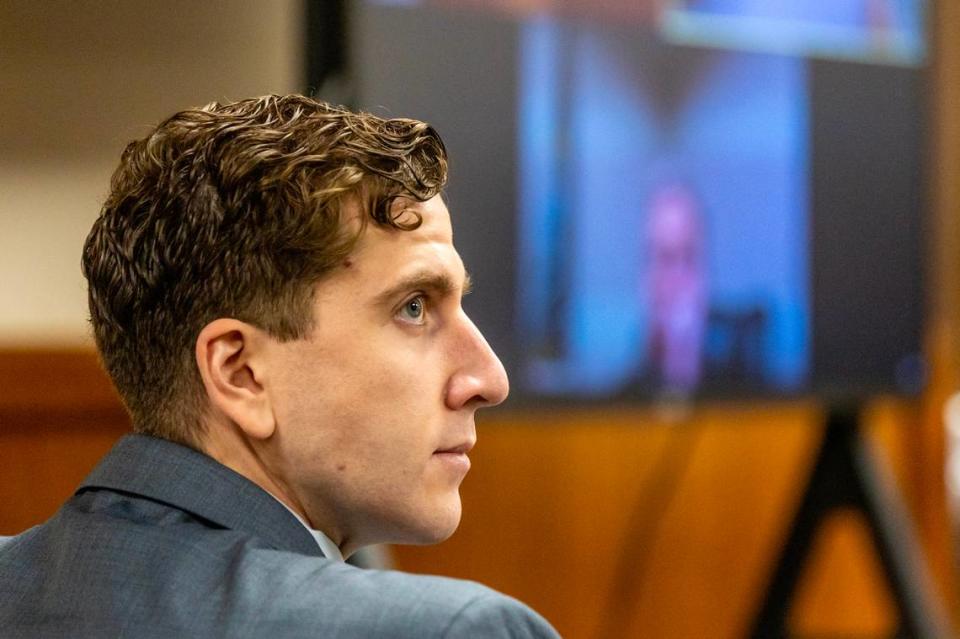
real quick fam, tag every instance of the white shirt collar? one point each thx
(330, 550)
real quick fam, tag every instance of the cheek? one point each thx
(359, 428)
(365, 412)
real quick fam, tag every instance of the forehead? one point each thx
(384, 252)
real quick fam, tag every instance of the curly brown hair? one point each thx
(235, 211)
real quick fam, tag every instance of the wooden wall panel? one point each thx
(40, 469)
(944, 299)
(58, 415)
(844, 576)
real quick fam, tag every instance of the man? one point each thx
(676, 281)
(275, 293)
(694, 345)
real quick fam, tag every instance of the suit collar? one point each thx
(191, 481)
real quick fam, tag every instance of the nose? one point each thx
(479, 378)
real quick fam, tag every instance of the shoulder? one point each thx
(222, 584)
(495, 615)
(124, 564)
(344, 600)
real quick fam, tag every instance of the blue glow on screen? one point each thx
(605, 123)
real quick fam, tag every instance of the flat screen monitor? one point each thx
(697, 199)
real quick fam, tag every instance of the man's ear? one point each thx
(232, 365)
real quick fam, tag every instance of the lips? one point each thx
(455, 459)
(460, 449)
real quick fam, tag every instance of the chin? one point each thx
(438, 524)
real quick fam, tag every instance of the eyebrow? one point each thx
(426, 280)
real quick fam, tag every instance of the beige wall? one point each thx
(78, 80)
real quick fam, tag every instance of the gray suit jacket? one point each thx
(162, 541)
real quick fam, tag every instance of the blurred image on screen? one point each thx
(652, 213)
(664, 211)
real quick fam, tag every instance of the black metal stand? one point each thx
(847, 475)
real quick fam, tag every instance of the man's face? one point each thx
(677, 277)
(375, 408)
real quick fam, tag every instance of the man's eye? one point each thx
(413, 310)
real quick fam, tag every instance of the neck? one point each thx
(226, 444)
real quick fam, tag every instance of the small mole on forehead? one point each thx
(347, 262)
(341, 467)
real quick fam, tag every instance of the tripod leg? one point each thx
(819, 497)
(846, 473)
(921, 614)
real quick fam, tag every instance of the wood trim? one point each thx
(66, 382)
